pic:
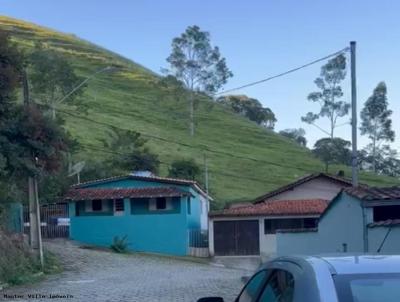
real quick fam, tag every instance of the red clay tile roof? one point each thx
(385, 223)
(344, 181)
(374, 193)
(277, 208)
(90, 194)
(153, 178)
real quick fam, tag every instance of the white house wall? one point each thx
(268, 242)
(319, 188)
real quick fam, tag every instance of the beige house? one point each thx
(250, 229)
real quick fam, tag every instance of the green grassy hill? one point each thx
(244, 159)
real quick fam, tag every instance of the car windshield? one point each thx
(368, 287)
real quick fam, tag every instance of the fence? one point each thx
(54, 220)
(198, 243)
(11, 217)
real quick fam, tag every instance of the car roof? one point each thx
(348, 263)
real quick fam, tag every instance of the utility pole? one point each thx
(33, 238)
(38, 222)
(354, 161)
(206, 174)
(206, 182)
(35, 234)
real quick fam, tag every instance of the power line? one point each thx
(94, 148)
(286, 72)
(203, 147)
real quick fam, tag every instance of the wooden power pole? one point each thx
(35, 234)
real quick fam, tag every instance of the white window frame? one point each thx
(118, 213)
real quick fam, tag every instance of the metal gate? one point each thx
(239, 237)
(54, 220)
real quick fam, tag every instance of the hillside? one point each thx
(244, 159)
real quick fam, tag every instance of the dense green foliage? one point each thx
(31, 144)
(250, 108)
(298, 135)
(185, 169)
(52, 78)
(244, 159)
(377, 124)
(332, 151)
(130, 153)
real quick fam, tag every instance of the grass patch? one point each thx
(244, 160)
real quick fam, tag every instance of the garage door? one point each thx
(239, 237)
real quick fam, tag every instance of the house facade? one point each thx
(251, 229)
(358, 220)
(155, 214)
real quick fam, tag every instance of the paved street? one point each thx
(92, 275)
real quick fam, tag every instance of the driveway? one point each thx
(92, 275)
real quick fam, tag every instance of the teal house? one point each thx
(358, 220)
(158, 215)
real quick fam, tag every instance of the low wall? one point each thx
(305, 243)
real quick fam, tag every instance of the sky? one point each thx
(258, 38)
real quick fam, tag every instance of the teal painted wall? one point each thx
(343, 223)
(195, 211)
(145, 233)
(148, 231)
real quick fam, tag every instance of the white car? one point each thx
(344, 278)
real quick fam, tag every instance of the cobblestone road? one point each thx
(92, 275)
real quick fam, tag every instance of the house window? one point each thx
(272, 225)
(382, 213)
(161, 203)
(189, 206)
(310, 223)
(97, 205)
(118, 205)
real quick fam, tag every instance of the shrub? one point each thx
(17, 262)
(184, 168)
(119, 245)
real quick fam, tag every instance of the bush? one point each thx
(185, 169)
(17, 262)
(119, 245)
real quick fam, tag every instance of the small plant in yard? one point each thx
(119, 245)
